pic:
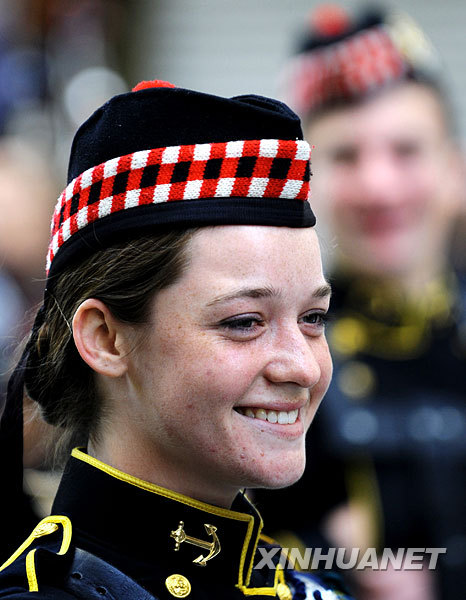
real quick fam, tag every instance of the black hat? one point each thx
(162, 157)
(341, 59)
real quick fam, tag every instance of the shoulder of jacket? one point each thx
(43, 554)
(93, 578)
(48, 566)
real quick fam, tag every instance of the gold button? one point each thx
(178, 586)
(284, 592)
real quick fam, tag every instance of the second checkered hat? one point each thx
(164, 156)
(340, 60)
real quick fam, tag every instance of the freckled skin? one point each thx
(173, 420)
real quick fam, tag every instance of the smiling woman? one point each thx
(181, 345)
(207, 362)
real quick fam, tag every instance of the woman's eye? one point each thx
(317, 319)
(242, 323)
(243, 327)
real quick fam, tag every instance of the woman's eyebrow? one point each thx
(265, 292)
(323, 291)
(261, 292)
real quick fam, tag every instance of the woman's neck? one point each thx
(139, 461)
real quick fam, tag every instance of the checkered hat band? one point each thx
(238, 169)
(353, 67)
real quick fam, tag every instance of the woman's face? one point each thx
(234, 364)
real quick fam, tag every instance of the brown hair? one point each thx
(125, 277)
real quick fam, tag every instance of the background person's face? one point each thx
(239, 336)
(386, 181)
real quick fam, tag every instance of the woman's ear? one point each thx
(100, 339)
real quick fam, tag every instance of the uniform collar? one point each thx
(112, 512)
(377, 319)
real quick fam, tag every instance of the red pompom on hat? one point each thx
(330, 20)
(155, 83)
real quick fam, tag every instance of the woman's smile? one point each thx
(281, 417)
(286, 425)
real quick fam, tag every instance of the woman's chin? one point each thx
(282, 475)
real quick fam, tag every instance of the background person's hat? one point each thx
(340, 59)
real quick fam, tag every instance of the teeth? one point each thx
(283, 417)
(261, 414)
(272, 416)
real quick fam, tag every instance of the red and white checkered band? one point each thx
(237, 169)
(347, 69)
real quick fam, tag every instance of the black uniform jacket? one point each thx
(115, 536)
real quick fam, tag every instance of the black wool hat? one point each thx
(157, 158)
(165, 156)
(341, 59)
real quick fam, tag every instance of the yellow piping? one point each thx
(31, 571)
(156, 489)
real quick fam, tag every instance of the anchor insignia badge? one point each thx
(179, 535)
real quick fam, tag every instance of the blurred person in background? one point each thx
(387, 451)
(49, 53)
(26, 192)
(58, 62)
(27, 189)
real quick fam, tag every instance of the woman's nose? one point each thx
(294, 359)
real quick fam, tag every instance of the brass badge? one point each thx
(178, 586)
(213, 547)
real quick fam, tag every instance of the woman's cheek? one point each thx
(326, 368)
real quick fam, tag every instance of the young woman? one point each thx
(181, 345)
